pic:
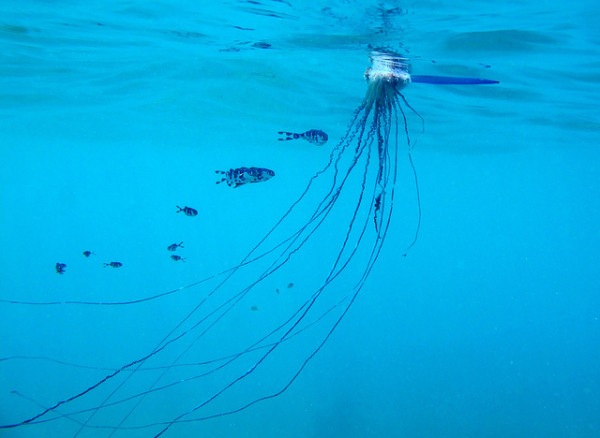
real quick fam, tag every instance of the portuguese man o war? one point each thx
(214, 361)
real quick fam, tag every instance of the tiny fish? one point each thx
(314, 136)
(254, 308)
(113, 264)
(177, 258)
(60, 268)
(88, 253)
(174, 246)
(261, 45)
(291, 285)
(188, 211)
(377, 207)
(245, 175)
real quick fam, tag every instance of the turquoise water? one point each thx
(113, 113)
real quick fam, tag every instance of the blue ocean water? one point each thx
(114, 112)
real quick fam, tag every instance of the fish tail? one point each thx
(289, 135)
(221, 172)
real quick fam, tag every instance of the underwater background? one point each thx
(114, 112)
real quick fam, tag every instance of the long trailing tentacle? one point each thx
(412, 166)
(414, 111)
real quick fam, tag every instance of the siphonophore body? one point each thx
(216, 359)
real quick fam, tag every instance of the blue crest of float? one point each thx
(394, 70)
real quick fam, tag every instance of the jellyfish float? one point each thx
(216, 359)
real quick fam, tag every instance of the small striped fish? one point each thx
(188, 211)
(174, 246)
(313, 136)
